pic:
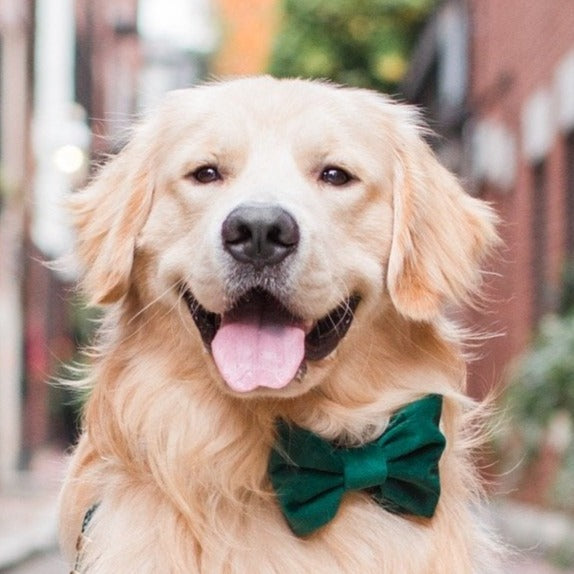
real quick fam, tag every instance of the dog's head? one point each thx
(275, 218)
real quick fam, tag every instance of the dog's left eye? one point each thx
(205, 174)
(335, 176)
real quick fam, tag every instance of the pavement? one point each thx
(28, 510)
(45, 563)
(28, 526)
(541, 541)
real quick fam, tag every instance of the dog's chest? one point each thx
(363, 538)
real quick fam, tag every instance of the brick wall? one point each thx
(517, 50)
(107, 66)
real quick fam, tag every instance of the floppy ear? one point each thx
(108, 215)
(440, 234)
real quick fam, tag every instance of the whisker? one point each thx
(151, 303)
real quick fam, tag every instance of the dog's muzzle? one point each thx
(258, 341)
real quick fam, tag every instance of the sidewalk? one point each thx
(28, 522)
(28, 510)
(535, 534)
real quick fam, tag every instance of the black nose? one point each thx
(260, 234)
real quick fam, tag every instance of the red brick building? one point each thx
(87, 106)
(503, 91)
(523, 78)
(107, 65)
(16, 21)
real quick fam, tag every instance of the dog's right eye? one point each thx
(336, 176)
(205, 174)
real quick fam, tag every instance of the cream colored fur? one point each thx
(178, 462)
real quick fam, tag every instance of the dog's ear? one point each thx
(108, 215)
(440, 233)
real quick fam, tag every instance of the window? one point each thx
(539, 242)
(569, 207)
(84, 60)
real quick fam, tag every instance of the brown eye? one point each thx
(206, 174)
(335, 176)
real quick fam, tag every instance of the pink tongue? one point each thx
(258, 346)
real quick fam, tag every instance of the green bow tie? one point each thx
(400, 468)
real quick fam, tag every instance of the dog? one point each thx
(275, 255)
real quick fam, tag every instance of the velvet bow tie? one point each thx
(399, 469)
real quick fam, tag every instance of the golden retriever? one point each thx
(270, 249)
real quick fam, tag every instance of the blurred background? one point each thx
(496, 83)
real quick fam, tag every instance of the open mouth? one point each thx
(260, 343)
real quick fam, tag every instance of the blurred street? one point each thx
(28, 516)
(494, 80)
(49, 563)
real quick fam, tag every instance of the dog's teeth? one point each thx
(301, 373)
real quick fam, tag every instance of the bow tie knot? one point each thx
(363, 467)
(400, 468)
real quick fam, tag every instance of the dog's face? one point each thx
(276, 219)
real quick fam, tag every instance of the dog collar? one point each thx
(399, 469)
(82, 539)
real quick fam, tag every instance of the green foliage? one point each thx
(544, 381)
(540, 401)
(363, 43)
(563, 489)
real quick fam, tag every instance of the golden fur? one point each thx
(176, 460)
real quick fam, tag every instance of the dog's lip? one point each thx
(326, 333)
(322, 336)
(207, 323)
